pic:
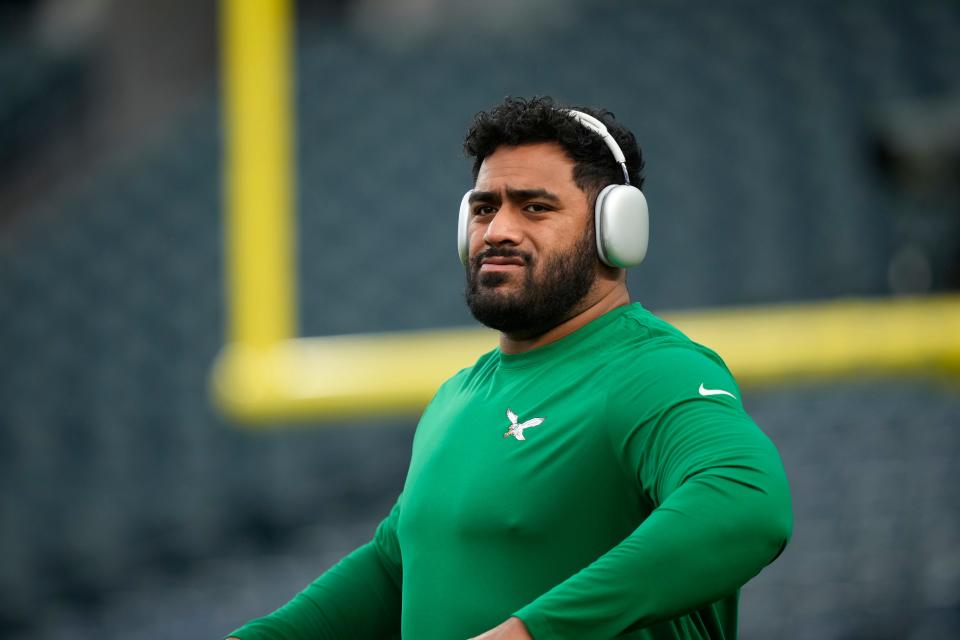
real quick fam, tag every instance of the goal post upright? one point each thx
(258, 171)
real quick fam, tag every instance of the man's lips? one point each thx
(500, 263)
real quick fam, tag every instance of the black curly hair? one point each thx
(518, 121)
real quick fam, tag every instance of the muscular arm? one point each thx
(359, 597)
(722, 513)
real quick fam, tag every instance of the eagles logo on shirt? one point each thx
(516, 429)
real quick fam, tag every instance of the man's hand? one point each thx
(512, 629)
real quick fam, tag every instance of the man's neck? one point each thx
(597, 304)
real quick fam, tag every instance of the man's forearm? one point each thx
(359, 597)
(726, 519)
(677, 561)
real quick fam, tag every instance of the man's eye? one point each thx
(483, 210)
(537, 208)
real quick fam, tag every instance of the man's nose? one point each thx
(504, 228)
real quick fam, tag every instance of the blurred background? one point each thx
(796, 151)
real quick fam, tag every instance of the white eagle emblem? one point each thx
(515, 429)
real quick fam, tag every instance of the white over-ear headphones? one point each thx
(620, 214)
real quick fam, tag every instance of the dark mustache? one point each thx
(494, 252)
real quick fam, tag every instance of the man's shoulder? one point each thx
(461, 377)
(649, 348)
(644, 335)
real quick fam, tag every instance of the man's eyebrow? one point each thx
(515, 195)
(519, 195)
(484, 196)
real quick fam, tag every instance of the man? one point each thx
(596, 475)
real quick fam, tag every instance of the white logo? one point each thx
(515, 429)
(715, 392)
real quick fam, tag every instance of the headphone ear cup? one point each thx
(622, 225)
(463, 238)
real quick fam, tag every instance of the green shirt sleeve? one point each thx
(359, 597)
(719, 494)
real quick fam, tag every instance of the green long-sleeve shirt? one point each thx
(606, 485)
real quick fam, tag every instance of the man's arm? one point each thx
(722, 513)
(359, 597)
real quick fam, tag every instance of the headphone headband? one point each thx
(600, 129)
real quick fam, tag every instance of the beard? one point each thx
(545, 298)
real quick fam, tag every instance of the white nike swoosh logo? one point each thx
(715, 392)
